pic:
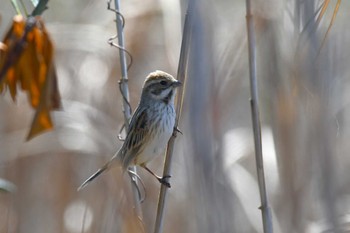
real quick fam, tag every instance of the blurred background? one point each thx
(304, 105)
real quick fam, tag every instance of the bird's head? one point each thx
(160, 86)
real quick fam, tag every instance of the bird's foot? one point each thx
(176, 130)
(164, 181)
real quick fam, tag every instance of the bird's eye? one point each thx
(163, 83)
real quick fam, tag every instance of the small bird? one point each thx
(150, 128)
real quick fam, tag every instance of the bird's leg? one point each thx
(163, 180)
(176, 129)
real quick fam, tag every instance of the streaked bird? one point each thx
(150, 128)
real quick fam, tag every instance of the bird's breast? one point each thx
(162, 127)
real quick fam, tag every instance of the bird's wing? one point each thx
(137, 137)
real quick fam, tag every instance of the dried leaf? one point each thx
(41, 122)
(26, 60)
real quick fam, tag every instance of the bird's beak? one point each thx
(177, 83)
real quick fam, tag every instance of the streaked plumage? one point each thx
(151, 125)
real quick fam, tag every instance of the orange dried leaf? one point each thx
(26, 60)
(41, 122)
(11, 83)
(18, 25)
(52, 90)
(29, 67)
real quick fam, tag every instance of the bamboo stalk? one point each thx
(265, 209)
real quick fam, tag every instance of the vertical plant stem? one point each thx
(24, 7)
(40, 8)
(181, 76)
(125, 92)
(16, 7)
(265, 209)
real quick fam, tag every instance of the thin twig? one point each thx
(125, 93)
(110, 41)
(40, 8)
(16, 7)
(24, 8)
(181, 76)
(323, 11)
(330, 25)
(265, 209)
(134, 176)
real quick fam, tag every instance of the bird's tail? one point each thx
(99, 171)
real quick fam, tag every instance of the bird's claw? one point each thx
(164, 180)
(176, 129)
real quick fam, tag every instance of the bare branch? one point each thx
(330, 24)
(181, 76)
(265, 209)
(125, 93)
